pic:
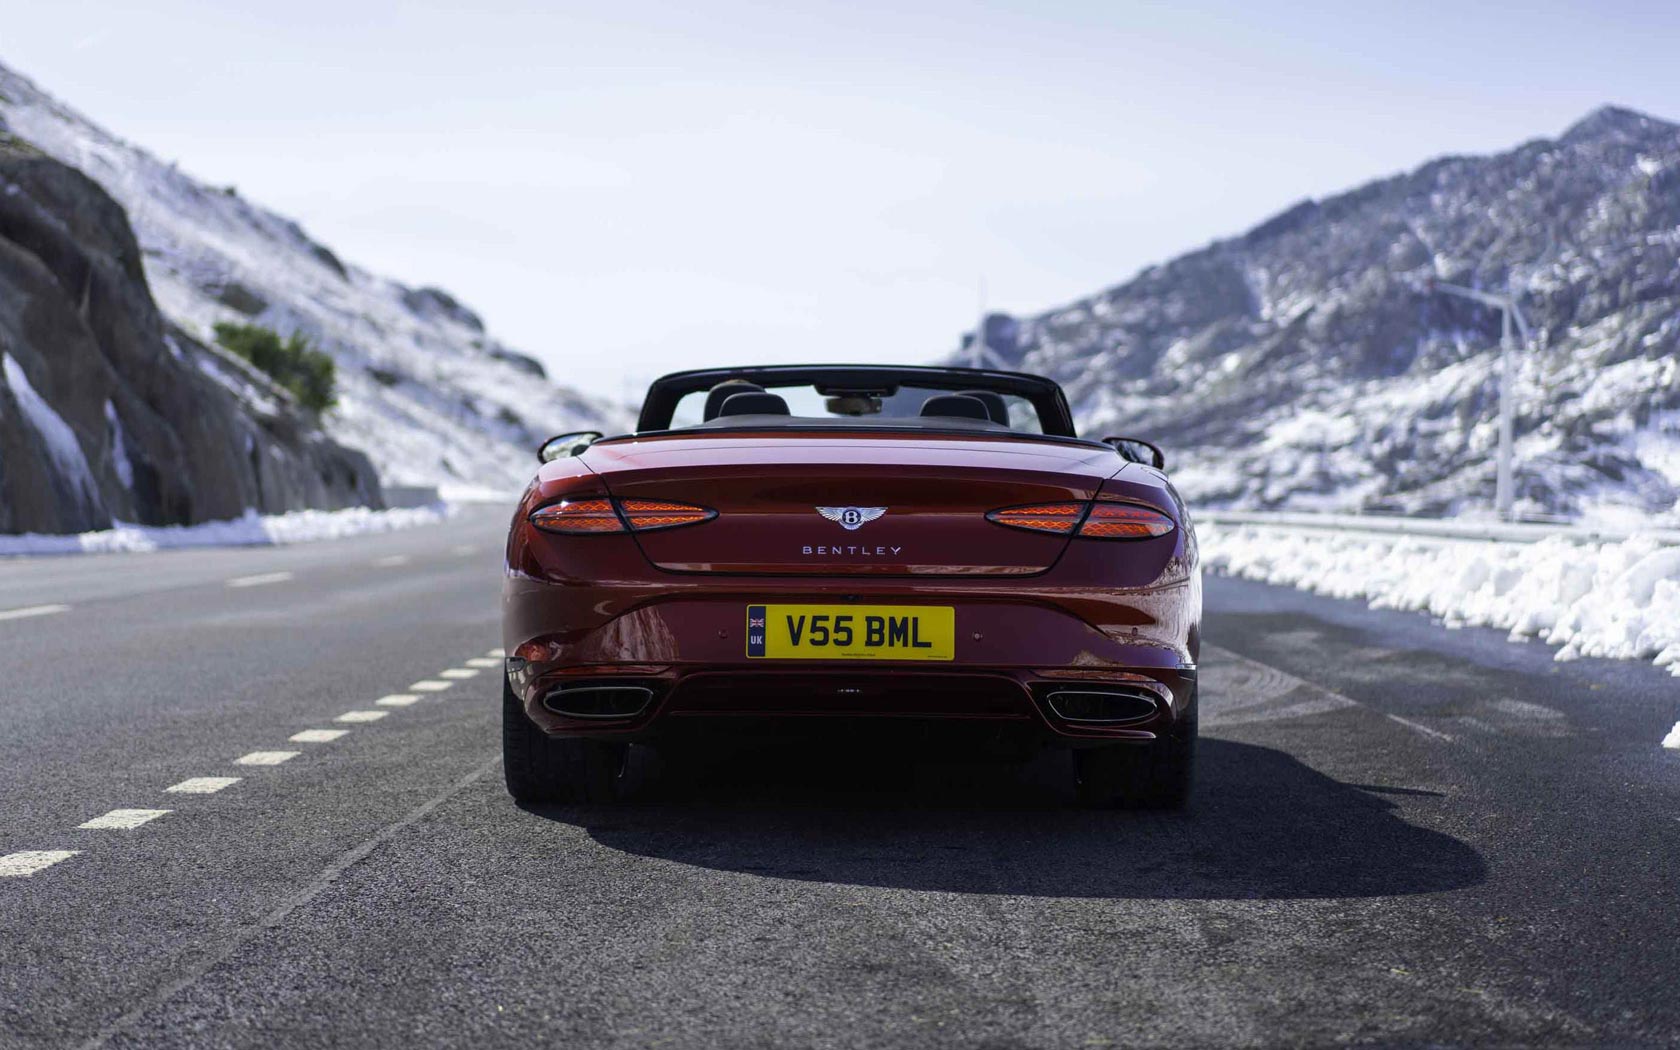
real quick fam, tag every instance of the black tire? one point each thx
(541, 769)
(1157, 775)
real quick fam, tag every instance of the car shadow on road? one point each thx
(1262, 826)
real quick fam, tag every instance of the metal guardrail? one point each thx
(1437, 528)
(411, 495)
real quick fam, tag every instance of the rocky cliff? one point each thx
(424, 389)
(105, 414)
(1305, 364)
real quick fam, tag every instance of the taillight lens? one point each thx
(595, 516)
(1124, 521)
(1040, 517)
(1106, 520)
(647, 514)
(578, 516)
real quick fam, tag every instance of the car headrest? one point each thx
(997, 410)
(954, 406)
(717, 395)
(754, 403)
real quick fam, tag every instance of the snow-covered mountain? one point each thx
(423, 389)
(108, 414)
(1303, 364)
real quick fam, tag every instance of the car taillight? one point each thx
(1040, 517)
(1124, 521)
(578, 516)
(1105, 520)
(595, 516)
(646, 514)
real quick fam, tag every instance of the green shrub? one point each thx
(295, 364)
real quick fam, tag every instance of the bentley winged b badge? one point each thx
(851, 518)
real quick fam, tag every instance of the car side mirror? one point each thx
(1139, 451)
(562, 445)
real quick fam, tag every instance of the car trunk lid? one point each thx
(852, 504)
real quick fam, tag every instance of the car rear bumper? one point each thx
(636, 662)
(680, 700)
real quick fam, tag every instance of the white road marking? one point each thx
(259, 579)
(397, 700)
(483, 661)
(243, 935)
(391, 561)
(28, 862)
(317, 736)
(429, 685)
(123, 819)
(266, 758)
(1425, 730)
(361, 716)
(32, 610)
(497, 653)
(202, 785)
(459, 673)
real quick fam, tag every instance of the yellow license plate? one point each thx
(851, 632)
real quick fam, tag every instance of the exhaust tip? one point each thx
(598, 701)
(1102, 706)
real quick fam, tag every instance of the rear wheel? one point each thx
(541, 769)
(1157, 775)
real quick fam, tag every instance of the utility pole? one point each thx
(1510, 315)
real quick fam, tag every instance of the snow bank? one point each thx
(1619, 599)
(252, 530)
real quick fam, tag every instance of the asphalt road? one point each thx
(1402, 835)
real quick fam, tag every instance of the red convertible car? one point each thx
(907, 547)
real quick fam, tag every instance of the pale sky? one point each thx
(627, 188)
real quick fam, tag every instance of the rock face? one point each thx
(1304, 364)
(424, 389)
(104, 413)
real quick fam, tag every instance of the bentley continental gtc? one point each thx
(904, 548)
